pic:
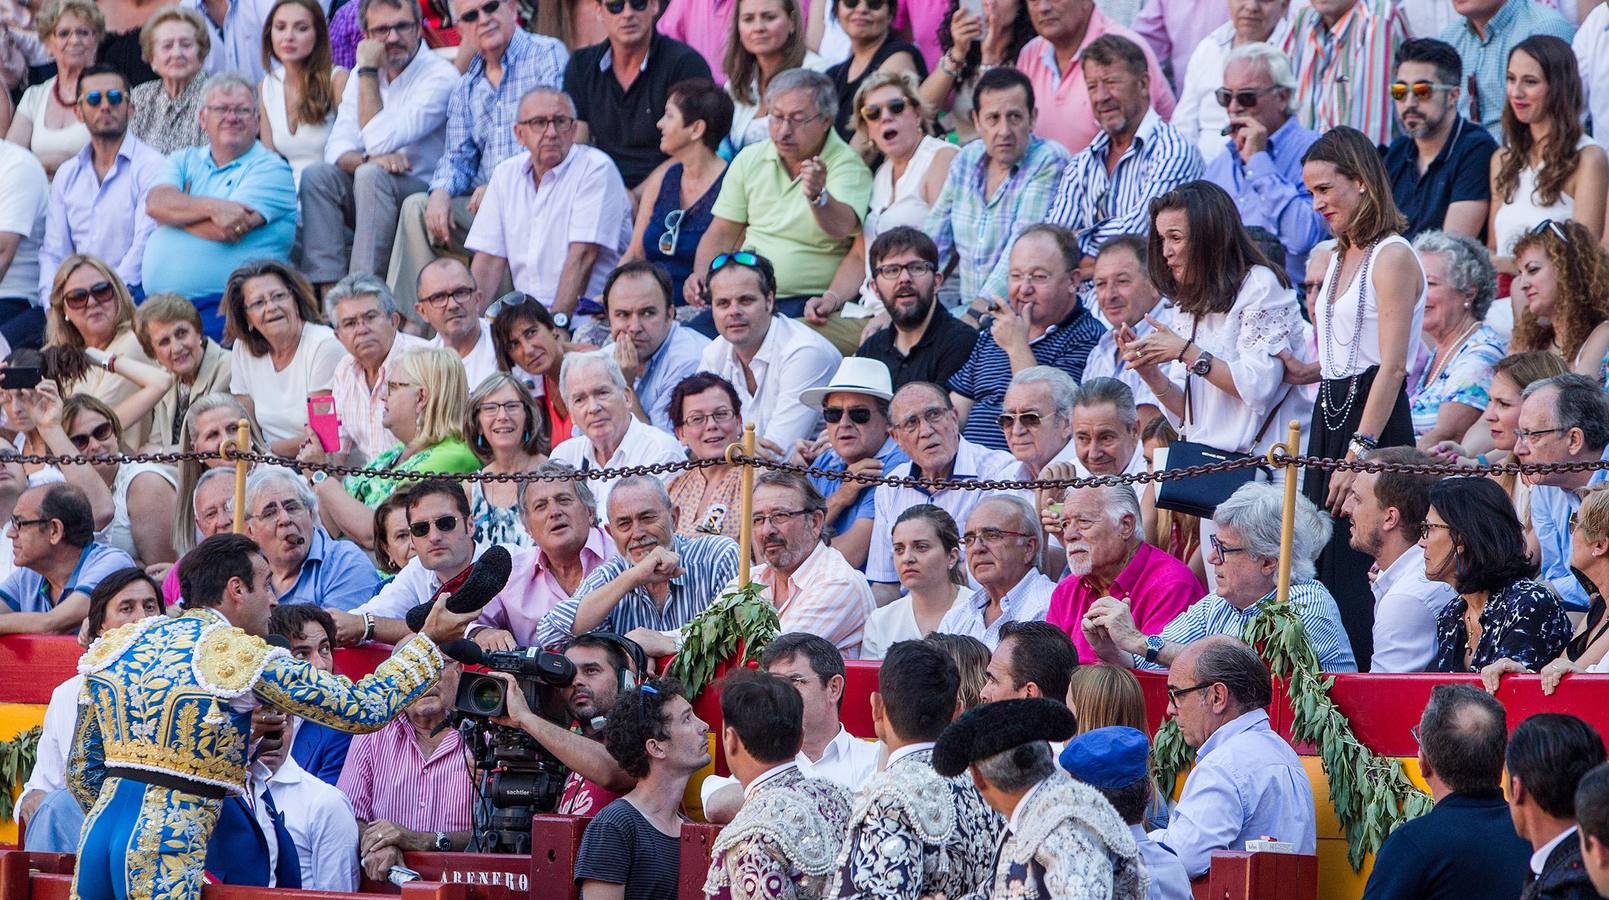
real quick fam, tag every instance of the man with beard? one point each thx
(1439, 166)
(307, 565)
(923, 342)
(602, 669)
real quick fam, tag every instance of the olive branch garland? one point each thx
(1371, 793)
(16, 761)
(740, 617)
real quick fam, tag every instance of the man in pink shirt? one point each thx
(1106, 557)
(1053, 62)
(704, 25)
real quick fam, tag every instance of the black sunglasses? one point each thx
(873, 5)
(113, 96)
(616, 7)
(472, 16)
(78, 298)
(873, 112)
(100, 433)
(444, 524)
(860, 415)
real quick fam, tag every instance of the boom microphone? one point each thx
(465, 651)
(471, 590)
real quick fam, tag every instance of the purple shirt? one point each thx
(101, 218)
(1156, 585)
(532, 590)
(345, 35)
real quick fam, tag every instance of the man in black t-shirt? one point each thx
(631, 850)
(923, 342)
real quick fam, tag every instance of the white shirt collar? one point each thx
(907, 750)
(1539, 859)
(1016, 814)
(835, 748)
(1411, 560)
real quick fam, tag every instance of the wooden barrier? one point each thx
(555, 843)
(1237, 875)
(698, 840)
(488, 876)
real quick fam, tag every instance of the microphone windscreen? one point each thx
(485, 580)
(465, 651)
(416, 616)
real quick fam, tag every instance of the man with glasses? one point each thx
(306, 565)
(364, 313)
(855, 407)
(220, 205)
(1036, 418)
(1563, 419)
(1439, 167)
(1002, 541)
(922, 341)
(387, 138)
(1483, 32)
(508, 62)
(1218, 689)
(619, 85)
(655, 352)
(610, 437)
(450, 302)
(1262, 168)
(1198, 116)
(558, 217)
(97, 198)
(57, 561)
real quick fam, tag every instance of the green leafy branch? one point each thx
(743, 618)
(16, 761)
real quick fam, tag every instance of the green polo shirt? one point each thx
(760, 194)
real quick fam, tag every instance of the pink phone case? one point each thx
(324, 422)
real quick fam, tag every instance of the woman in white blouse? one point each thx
(46, 120)
(927, 555)
(767, 37)
(302, 89)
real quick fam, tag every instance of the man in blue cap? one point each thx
(1114, 761)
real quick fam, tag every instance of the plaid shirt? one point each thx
(1343, 72)
(1486, 61)
(480, 117)
(978, 228)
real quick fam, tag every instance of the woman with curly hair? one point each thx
(1562, 296)
(971, 47)
(1547, 168)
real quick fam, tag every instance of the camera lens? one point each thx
(486, 696)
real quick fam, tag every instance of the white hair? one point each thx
(1256, 511)
(1275, 61)
(1063, 389)
(267, 476)
(574, 361)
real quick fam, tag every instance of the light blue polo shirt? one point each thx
(25, 590)
(180, 262)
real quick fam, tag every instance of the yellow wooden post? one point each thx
(1287, 526)
(242, 444)
(746, 524)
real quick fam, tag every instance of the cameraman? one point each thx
(595, 778)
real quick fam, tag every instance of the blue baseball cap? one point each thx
(1108, 758)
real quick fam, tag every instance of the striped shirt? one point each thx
(1343, 72)
(825, 596)
(386, 777)
(978, 228)
(1486, 60)
(1027, 601)
(1098, 206)
(986, 374)
(480, 115)
(1312, 601)
(709, 563)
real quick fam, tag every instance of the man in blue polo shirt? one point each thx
(1439, 167)
(855, 407)
(307, 565)
(52, 530)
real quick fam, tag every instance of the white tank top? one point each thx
(1338, 327)
(1526, 211)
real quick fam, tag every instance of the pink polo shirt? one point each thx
(704, 26)
(1157, 586)
(1062, 98)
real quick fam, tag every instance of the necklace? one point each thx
(1439, 364)
(55, 91)
(1335, 416)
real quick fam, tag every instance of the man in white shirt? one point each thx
(1002, 541)
(655, 352)
(1388, 511)
(1126, 297)
(317, 815)
(1199, 116)
(450, 301)
(556, 218)
(1106, 430)
(769, 358)
(364, 314)
(816, 668)
(387, 138)
(611, 437)
(22, 228)
(1037, 417)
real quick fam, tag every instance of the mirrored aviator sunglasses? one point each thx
(113, 97)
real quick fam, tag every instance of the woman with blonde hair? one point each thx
(1561, 296)
(971, 660)
(300, 94)
(46, 120)
(167, 112)
(767, 37)
(1103, 696)
(426, 402)
(890, 117)
(504, 431)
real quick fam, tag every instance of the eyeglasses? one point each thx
(1221, 550)
(916, 268)
(113, 97)
(16, 524)
(472, 16)
(860, 415)
(933, 415)
(873, 112)
(672, 232)
(1038, 278)
(1242, 98)
(444, 524)
(1175, 693)
(699, 420)
(458, 295)
(78, 298)
(1520, 434)
(990, 536)
(1421, 90)
(1424, 529)
(507, 408)
(1415, 732)
(393, 386)
(541, 123)
(289, 508)
(1550, 225)
(100, 434)
(795, 121)
(262, 303)
(643, 690)
(780, 518)
(400, 29)
(231, 112)
(616, 7)
(1009, 421)
(873, 5)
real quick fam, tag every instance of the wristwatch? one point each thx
(442, 841)
(318, 477)
(822, 199)
(1203, 364)
(561, 320)
(1153, 646)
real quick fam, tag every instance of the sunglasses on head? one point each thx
(444, 524)
(742, 258)
(78, 298)
(473, 15)
(113, 97)
(100, 434)
(1547, 225)
(1421, 90)
(860, 415)
(873, 112)
(616, 7)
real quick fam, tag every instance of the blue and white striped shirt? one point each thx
(1027, 601)
(1098, 206)
(986, 374)
(480, 115)
(1314, 605)
(709, 563)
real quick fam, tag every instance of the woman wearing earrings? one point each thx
(505, 433)
(767, 37)
(1562, 296)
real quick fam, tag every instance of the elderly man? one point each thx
(1217, 690)
(560, 517)
(364, 313)
(1033, 659)
(306, 565)
(657, 584)
(855, 407)
(1484, 32)
(58, 563)
(1036, 418)
(1062, 838)
(1198, 116)
(219, 205)
(1547, 756)
(1106, 430)
(1466, 845)
(1388, 512)
(1055, 62)
(1440, 166)
(1244, 553)
(1562, 419)
(385, 142)
(654, 351)
(482, 116)
(611, 437)
(1042, 324)
(1107, 557)
(798, 200)
(771, 359)
(557, 217)
(1262, 170)
(23, 222)
(1127, 297)
(1002, 541)
(922, 341)
(1342, 50)
(814, 589)
(450, 302)
(997, 186)
(927, 429)
(897, 847)
(97, 198)
(1107, 189)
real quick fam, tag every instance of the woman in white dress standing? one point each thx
(302, 89)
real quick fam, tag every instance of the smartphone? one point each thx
(325, 423)
(17, 378)
(973, 6)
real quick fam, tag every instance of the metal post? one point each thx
(1287, 527)
(243, 445)
(746, 524)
